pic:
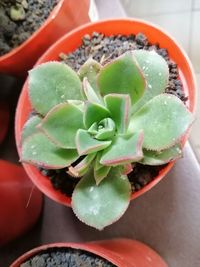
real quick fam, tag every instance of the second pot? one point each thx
(61, 20)
(120, 252)
(21, 202)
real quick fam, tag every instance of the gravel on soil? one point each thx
(66, 257)
(14, 33)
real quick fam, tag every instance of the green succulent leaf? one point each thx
(90, 94)
(94, 113)
(106, 129)
(83, 166)
(93, 130)
(86, 144)
(90, 69)
(156, 73)
(100, 206)
(97, 164)
(120, 108)
(30, 126)
(61, 124)
(101, 173)
(53, 83)
(124, 149)
(164, 119)
(122, 76)
(38, 150)
(159, 158)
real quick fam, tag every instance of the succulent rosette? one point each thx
(97, 122)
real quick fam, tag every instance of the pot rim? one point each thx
(20, 47)
(60, 197)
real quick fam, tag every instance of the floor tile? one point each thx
(195, 132)
(144, 7)
(195, 41)
(173, 23)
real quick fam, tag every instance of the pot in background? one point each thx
(21, 202)
(120, 252)
(73, 40)
(64, 17)
(4, 120)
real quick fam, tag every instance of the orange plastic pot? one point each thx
(64, 17)
(20, 202)
(120, 252)
(4, 120)
(69, 43)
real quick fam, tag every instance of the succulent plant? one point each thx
(98, 122)
(16, 8)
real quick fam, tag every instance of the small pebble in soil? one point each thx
(104, 48)
(63, 257)
(14, 33)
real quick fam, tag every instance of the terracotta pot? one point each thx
(121, 252)
(69, 43)
(61, 20)
(21, 202)
(4, 120)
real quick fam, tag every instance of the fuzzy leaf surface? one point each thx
(120, 109)
(94, 113)
(52, 83)
(86, 144)
(61, 124)
(164, 119)
(90, 69)
(156, 73)
(100, 206)
(159, 158)
(124, 149)
(30, 126)
(122, 76)
(38, 150)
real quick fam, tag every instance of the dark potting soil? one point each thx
(14, 33)
(103, 48)
(66, 257)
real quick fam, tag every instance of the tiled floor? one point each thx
(181, 18)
